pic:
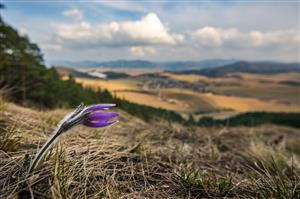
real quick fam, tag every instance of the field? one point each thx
(275, 78)
(111, 85)
(238, 92)
(188, 78)
(134, 159)
(266, 87)
(239, 104)
(281, 93)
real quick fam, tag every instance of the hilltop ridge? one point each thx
(247, 67)
(210, 67)
(167, 65)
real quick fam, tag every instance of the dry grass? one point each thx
(275, 78)
(260, 89)
(282, 94)
(187, 78)
(171, 99)
(244, 104)
(239, 104)
(134, 159)
(155, 99)
(236, 77)
(111, 85)
(194, 78)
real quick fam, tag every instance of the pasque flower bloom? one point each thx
(95, 116)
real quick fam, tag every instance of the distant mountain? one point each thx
(195, 65)
(107, 64)
(213, 67)
(247, 67)
(173, 66)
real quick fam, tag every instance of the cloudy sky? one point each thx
(159, 30)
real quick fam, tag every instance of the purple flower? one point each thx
(97, 116)
(94, 116)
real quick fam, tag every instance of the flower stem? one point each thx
(38, 157)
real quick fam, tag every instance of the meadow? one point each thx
(137, 159)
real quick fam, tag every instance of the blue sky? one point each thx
(159, 30)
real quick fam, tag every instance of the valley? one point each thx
(201, 95)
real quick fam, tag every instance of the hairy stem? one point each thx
(38, 157)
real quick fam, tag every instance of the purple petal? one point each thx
(98, 124)
(102, 116)
(97, 107)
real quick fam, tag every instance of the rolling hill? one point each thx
(247, 67)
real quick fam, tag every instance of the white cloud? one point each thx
(141, 51)
(204, 30)
(53, 47)
(281, 37)
(74, 14)
(23, 31)
(246, 16)
(148, 30)
(233, 38)
(149, 37)
(78, 31)
(123, 5)
(208, 36)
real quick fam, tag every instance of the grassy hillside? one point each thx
(134, 159)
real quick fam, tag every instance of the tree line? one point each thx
(252, 119)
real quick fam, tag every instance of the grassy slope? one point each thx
(155, 160)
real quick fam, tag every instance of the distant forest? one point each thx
(254, 119)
